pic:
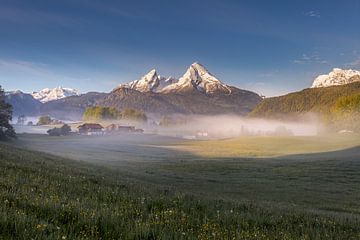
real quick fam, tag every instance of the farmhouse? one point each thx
(91, 129)
(115, 128)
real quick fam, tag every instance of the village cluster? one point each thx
(94, 129)
(98, 129)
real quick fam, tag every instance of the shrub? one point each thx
(44, 120)
(133, 114)
(54, 132)
(63, 131)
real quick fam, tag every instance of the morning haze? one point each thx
(179, 120)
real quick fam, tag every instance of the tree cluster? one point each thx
(6, 129)
(62, 131)
(44, 120)
(99, 113)
(345, 114)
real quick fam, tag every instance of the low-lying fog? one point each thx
(207, 127)
(224, 126)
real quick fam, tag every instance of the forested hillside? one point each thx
(310, 100)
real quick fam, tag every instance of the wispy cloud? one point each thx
(310, 59)
(20, 66)
(313, 14)
(33, 74)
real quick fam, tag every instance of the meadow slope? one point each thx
(48, 197)
(132, 187)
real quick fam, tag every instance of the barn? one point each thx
(115, 129)
(91, 129)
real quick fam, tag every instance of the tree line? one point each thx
(345, 114)
(110, 113)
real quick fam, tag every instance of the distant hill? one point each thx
(315, 100)
(71, 108)
(23, 103)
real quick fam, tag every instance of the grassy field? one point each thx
(270, 146)
(149, 187)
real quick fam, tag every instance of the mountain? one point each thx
(71, 108)
(238, 102)
(198, 78)
(23, 103)
(196, 92)
(47, 95)
(151, 82)
(337, 77)
(311, 100)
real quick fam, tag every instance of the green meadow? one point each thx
(153, 187)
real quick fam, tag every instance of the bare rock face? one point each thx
(336, 77)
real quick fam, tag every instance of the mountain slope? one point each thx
(71, 108)
(23, 103)
(239, 102)
(316, 100)
(197, 92)
(47, 95)
(123, 97)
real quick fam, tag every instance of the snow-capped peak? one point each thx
(198, 72)
(16, 92)
(198, 77)
(147, 83)
(150, 82)
(47, 94)
(336, 77)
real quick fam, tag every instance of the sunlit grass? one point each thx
(269, 146)
(45, 197)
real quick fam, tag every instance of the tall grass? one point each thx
(46, 197)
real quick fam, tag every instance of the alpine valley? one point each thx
(196, 92)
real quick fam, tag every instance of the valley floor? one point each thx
(153, 187)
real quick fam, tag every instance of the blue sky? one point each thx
(272, 47)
